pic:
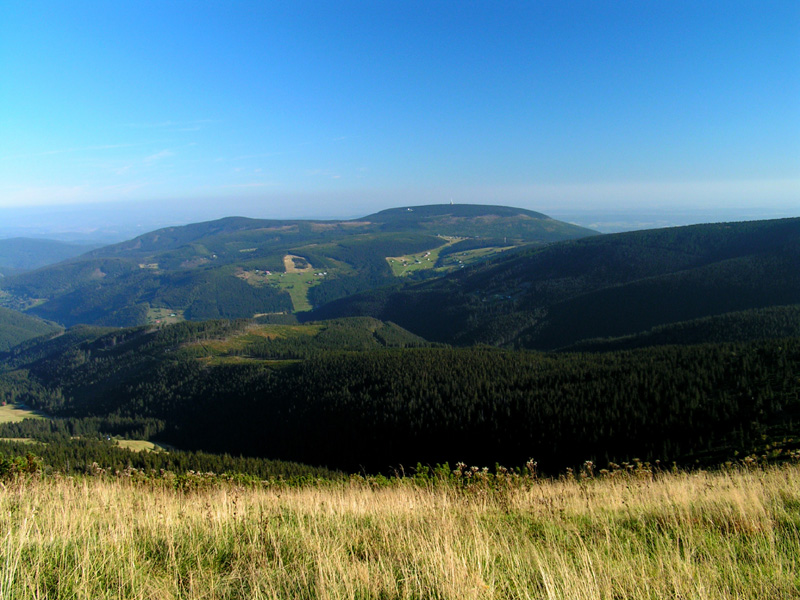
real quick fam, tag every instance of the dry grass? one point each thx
(723, 535)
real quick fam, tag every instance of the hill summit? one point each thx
(478, 220)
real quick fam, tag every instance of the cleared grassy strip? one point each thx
(241, 360)
(713, 536)
(12, 413)
(455, 261)
(406, 265)
(142, 446)
(297, 284)
(238, 344)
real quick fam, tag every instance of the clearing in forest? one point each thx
(296, 264)
(405, 265)
(164, 316)
(142, 446)
(410, 263)
(13, 413)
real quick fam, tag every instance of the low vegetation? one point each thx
(627, 534)
(12, 413)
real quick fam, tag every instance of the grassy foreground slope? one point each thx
(715, 536)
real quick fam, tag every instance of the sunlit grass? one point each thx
(12, 413)
(722, 535)
(141, 446)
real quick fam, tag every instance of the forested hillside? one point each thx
(597, 287)
(239, 268)
(478, 221)
(758, 324)
(362, 394)
(15, 328)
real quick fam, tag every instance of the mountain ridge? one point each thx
(546, 297)
(237, 267)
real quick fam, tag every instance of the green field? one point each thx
(19, 303)
(403, 266)
(142, 446)
(297, 284)
(11, 413)
(164, 316)
(455, 261)
(234, 349)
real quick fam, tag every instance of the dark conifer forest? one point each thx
(367, 396)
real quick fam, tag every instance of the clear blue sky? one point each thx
(280, 109)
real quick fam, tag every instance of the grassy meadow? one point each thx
(13, 413)
(164, 316)
(142, 446)
(727, 534)
(296, 282)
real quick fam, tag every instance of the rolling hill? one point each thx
(597, 287)
(238, 267)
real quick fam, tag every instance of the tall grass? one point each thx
(730, 534)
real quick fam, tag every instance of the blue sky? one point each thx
(337, 109)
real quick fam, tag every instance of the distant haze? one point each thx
(109, 223)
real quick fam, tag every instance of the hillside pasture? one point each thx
(164, 316)
(296, 280)
(455, 261)
(298, 284)
(14, 413)
(142, 446)
(403, 266)
(296, 264)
